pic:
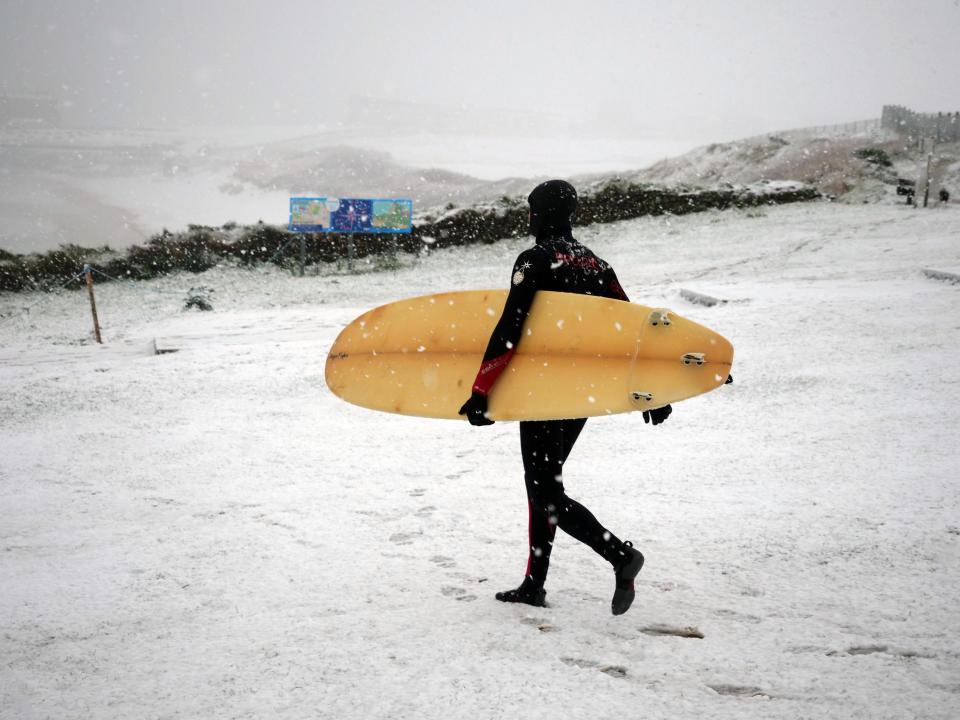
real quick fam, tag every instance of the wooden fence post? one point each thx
(88, 271)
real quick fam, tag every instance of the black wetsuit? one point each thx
(559, 263)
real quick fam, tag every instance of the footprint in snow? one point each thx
(875, 649)
(457, 593)
(734, 615)
(617, 671)
(539, 623)
(684, 632)
(404, 538)
(740, 691)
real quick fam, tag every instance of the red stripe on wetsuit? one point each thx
(617, 290)
(490, 371)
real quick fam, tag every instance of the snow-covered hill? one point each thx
(827, 160)
(210, 533)
(90, 188)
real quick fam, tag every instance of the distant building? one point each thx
(29, 110)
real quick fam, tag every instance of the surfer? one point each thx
(557, 262)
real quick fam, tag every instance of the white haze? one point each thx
(691, 70)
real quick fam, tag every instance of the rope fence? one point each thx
(90, 270)
(86, 275)
(43, 299)
(858, 127)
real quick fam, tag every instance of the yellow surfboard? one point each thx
(580, 356)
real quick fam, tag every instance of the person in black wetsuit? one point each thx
(557, 262)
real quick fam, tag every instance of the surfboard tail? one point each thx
(676, 359)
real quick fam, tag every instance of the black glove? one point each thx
(476, 410)
(658, 415)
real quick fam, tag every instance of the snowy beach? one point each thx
(210, 533)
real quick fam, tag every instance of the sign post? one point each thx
(350, 216)
(351, 253)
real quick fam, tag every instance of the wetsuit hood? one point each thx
(552, 206)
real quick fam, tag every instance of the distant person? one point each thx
(944, 196)
(559, 263)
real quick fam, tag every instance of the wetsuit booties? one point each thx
(630, 567)
(530, 592)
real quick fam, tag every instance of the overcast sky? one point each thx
(697, 68)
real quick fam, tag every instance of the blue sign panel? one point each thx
(350, 215)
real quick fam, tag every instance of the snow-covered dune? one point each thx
(210, 533)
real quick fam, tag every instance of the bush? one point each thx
(199, 298)
(201, 247)
(877, 156)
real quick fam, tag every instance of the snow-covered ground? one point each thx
(210, 533)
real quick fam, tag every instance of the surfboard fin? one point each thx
(660, 317)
